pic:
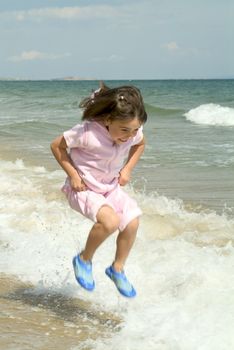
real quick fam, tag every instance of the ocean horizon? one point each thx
(108, 79)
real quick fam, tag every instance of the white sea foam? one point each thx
(182, 264)
(211, 114)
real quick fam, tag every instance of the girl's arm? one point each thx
(59, 150)
(133, 157)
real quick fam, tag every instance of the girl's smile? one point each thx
(121, 131)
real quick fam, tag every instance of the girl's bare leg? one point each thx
(107, 223)
(124, 242)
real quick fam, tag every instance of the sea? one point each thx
(182, 263)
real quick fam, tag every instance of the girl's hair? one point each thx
(124, 102)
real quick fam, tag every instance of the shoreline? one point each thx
(48, 320)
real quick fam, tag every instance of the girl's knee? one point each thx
(111, 224)
(108, 218)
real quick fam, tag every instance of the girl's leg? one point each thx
(125, 241)
(107, 223)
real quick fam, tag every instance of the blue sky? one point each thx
(151, 39)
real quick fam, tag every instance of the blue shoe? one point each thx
(121, 282)
(83, 273)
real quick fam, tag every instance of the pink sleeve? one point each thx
(75, 137)
(139, 136)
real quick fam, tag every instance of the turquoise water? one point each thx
(182, 263)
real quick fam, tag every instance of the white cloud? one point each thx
(67, 13)
(171, 46)
(36, 55)
(111, 58)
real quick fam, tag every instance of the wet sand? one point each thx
(48, 321)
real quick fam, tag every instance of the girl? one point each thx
(93, 154)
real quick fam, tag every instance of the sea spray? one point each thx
(211, 114)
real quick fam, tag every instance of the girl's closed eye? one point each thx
(128, 130)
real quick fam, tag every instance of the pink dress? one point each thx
(98, 161)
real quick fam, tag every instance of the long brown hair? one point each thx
(124, 102)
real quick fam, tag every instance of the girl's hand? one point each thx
(77, 183)
(124, 176)
(59, 149)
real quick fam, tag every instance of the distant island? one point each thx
(52, 79)
(73, 78)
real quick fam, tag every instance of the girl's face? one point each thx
(121, 131)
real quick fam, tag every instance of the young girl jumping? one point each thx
(98, 157)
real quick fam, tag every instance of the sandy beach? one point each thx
(48, 321)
